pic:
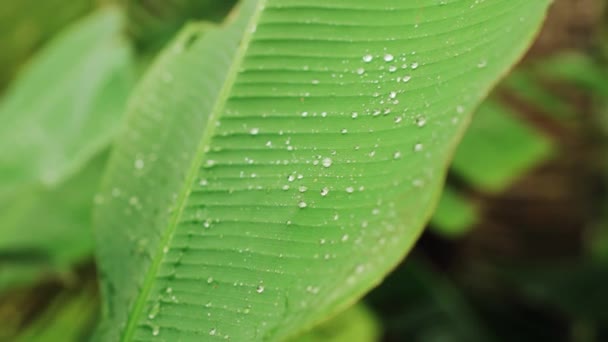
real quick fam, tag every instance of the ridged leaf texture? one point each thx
(275, 169)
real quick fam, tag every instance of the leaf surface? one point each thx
(275, 169)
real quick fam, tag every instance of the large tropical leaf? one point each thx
(276, 169)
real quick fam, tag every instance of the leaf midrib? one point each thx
(149, 278)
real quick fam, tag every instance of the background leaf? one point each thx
(58, 226)
(80, 82)
(454, 215)
(355, 324)
(26, 24)
(498, 148)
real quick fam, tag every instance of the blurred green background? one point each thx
(518, 247)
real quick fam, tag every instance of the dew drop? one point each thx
(360, 71)
(259, 289)
(312, 289)
(397, 155)
(415, 65)
(350, 189)
(154, 311)
(209, 280)
(203, 182)
(344, 131)
(354, 115)
(302, 188)
(155, 331)
(139, 164)
(326, 162)
(302, 204)
(212, 332)
(420, 121)
(254, 131)
(388, 57)
(324, 191)
(368, 58)
(418, 183)
(418, 147)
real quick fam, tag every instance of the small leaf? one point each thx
(357, 323)
(498, 148)
(454, 215)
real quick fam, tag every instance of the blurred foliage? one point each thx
(355, 324)
(152, 23)
(58, 222)
(455, 214)
(26, 24)
(55, 135)
(498, 148)
(444, 292)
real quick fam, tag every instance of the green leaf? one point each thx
(498, 148)
(254, 202)
(455, 215)
(355, 324)
(45, 232)
(524, 84)
(66, 106)
(576, 68)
